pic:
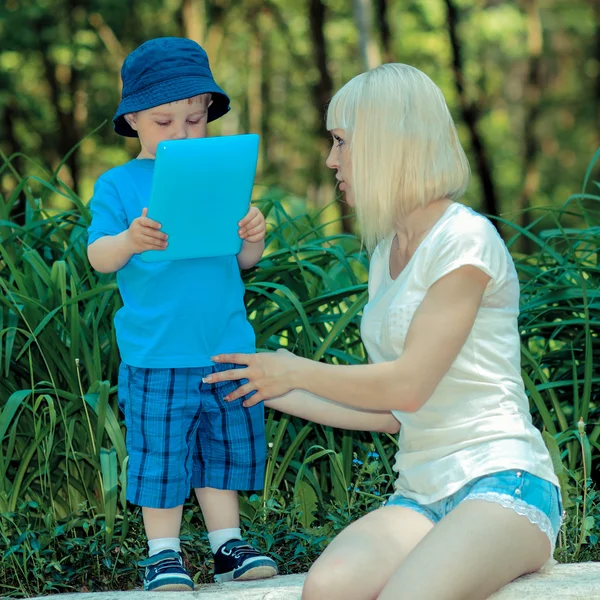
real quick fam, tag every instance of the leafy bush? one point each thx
(560, 331)
(65, 523)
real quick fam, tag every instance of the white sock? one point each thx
(159, 544)
(219, 537)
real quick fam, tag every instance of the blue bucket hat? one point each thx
(165, 70)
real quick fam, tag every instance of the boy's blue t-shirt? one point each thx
(178, 313)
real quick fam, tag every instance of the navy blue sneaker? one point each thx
(235, 560)
(165, 573)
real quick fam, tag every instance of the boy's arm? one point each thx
(250, 254)
(313, 408)
(108, 248)
(252, 230)
(110, 253)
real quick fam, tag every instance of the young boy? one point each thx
(181, 433)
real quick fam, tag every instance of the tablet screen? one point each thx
(200, 181)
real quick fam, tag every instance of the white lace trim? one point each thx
(535, 515)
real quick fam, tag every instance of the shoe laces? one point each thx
(167, 564)
(240, 551)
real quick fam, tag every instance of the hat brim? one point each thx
(170, 91)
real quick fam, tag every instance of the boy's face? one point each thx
(175, 121)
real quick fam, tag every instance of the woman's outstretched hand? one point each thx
(269, 374)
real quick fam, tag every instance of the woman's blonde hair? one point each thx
(403, 145)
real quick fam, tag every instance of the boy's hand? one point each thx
(143, 234)
(252, 226)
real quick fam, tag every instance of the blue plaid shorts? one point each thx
(181, 434)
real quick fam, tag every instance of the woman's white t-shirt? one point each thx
(477, 421)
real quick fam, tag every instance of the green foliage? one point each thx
(560, 329)
(64, 523)
(560, 321)
(60, 62)
(47, 554)
(560, 326)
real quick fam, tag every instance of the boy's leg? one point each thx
(161, 421)
(230, 455)
(162, 523)
(234, 558)
(221, 511)
(220, 508)
(164, 566)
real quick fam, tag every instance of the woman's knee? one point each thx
(325, 581)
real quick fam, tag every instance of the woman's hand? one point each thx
(269, 374)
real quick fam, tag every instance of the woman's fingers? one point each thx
(242, 391)
(229, 375)
(236, 359)
(253, 400)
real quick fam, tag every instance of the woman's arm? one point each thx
(435, 337)
(308, 406)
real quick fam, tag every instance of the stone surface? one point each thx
(574, 582)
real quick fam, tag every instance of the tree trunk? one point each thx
(532, 94)
(193, 21)
(368, 48)
(597, 57)
(9, 118)
(110, 41)
(302, 63)
(68, 133)
(214, 32)
(385, 32)
(255, 79)
(470, 115)
(265, 95)
(322, 93)
(323, 89)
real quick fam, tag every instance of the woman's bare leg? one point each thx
(474, 551)
(360, 560)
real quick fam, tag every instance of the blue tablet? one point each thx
(201, 189)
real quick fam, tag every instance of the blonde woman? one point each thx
(476, 501)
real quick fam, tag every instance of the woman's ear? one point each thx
(131, 119)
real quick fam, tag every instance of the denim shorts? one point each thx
(528, 495)
(182, 434)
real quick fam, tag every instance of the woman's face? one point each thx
(339, 159)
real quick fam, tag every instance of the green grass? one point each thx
(64, 522)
